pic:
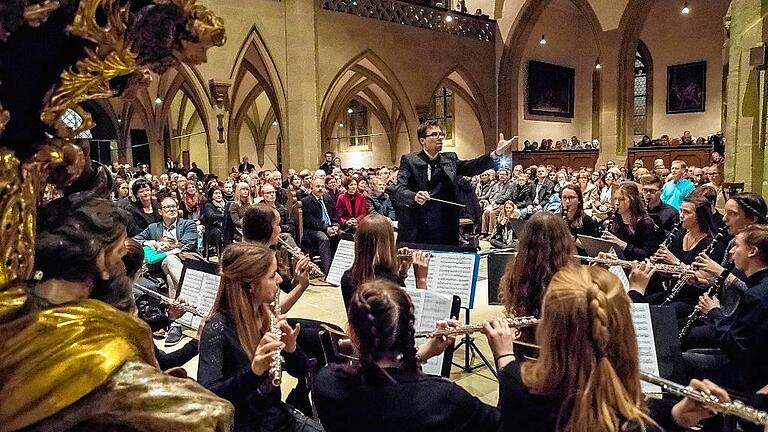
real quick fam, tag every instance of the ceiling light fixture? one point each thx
(686, 10)
(158, 100)
(543, 41)
(349, 110)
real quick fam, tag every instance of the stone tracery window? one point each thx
(74, 121)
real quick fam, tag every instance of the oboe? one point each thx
(314, 269)
(526, 321)
(687, 277)
(696, 314)
(276, 368)
(660, 268)
(734, 408)
(185, 307)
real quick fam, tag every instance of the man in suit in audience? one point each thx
(542, 187)
(432, 174)
(522, 194)
(246, 166)
(321, 227)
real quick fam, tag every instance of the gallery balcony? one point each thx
(410, 14)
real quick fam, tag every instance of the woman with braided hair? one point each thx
(586, 377)
(385, 390)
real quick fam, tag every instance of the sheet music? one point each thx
(646, 345)
(619, 272)
(199, 289)
(429, 308)
(451, 273)
(342, 261)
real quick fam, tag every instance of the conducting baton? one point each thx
(446, 202)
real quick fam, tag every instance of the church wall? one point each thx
(673, 38)
(569, 43)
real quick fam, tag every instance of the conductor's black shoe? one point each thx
(173, 336)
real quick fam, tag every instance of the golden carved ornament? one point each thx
(37, 14)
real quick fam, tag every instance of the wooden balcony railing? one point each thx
(400, 12)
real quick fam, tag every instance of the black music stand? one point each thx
(469, 348)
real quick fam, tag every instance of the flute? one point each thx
(185, 307)
(526, 321)
(681, 269)
(276, 367)
(734, 408)
(314, 269)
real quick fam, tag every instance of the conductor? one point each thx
(427, 179)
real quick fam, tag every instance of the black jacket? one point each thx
(313, 213)
(440, 221)
(287, 225)
(381, 205)
(414, 402)
(522, 195)
(544, 192)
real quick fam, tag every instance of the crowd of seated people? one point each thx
(716, 141)
(564, 144)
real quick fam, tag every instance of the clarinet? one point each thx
(276, 368)
(696, 314)
(672, 234)
(684, 279)
(609, 225)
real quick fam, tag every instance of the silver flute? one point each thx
(681, 269)
(314, 269)
(185, 307)
(276, 367)
(734, 408)
(526, 321)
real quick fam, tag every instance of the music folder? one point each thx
(198, 285)
(594, 245)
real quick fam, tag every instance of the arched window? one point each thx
(642, 89)
(442, 110)
(357, 121)
(73, 120)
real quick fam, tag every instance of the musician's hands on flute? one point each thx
(436, 345)
(640, 275)
(421, 268)
(421, 197)
(301, 272)
(174, 311)
(289, 334)
(262, 358)
(688, 412)
(405, 255)
(501, 338)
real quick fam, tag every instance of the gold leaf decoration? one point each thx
(37, 14)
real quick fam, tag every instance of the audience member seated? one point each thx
(378, 201)
(522, 193)
(237, 208)
(484, 187)
(500, 192)
(351, 205)
(287, 225)
(214, 212)
(588, 189)
(144, 210)
(678, 188)
(321, 227)
(503, 236)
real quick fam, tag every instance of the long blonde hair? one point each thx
(598, 377)
(243, 265)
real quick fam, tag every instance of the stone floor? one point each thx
(325, 303)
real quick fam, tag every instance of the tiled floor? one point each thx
(325, 303)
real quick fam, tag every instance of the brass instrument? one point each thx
(185, 307)
(734, 408)
(684, 279)
(680, 269)
(526, 321)
(314, 270)
(276, 367)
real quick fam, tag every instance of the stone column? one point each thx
(301, 137)
(747, 98)
(610, 99)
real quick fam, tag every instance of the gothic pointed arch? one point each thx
(368, 80)
(254, 73)
(460, 81)
(512, 56)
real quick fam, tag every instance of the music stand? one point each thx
(468, 341)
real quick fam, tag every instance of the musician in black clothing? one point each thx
(386, 391)
(432, 174)
(578, 222)
(237, 346)
(742, 362)
(664, 216)
(633, 231)
(587, 376)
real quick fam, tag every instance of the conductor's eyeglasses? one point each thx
(435, 135)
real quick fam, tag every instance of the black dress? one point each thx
(642, 242)
(523, 411)
(225, 369)
(414, 402)
(348, 287)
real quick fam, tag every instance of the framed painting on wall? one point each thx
(686, 88)
(550, 89)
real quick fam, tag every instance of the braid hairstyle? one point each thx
(753, 206)
(597, 377)
(381, 318)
